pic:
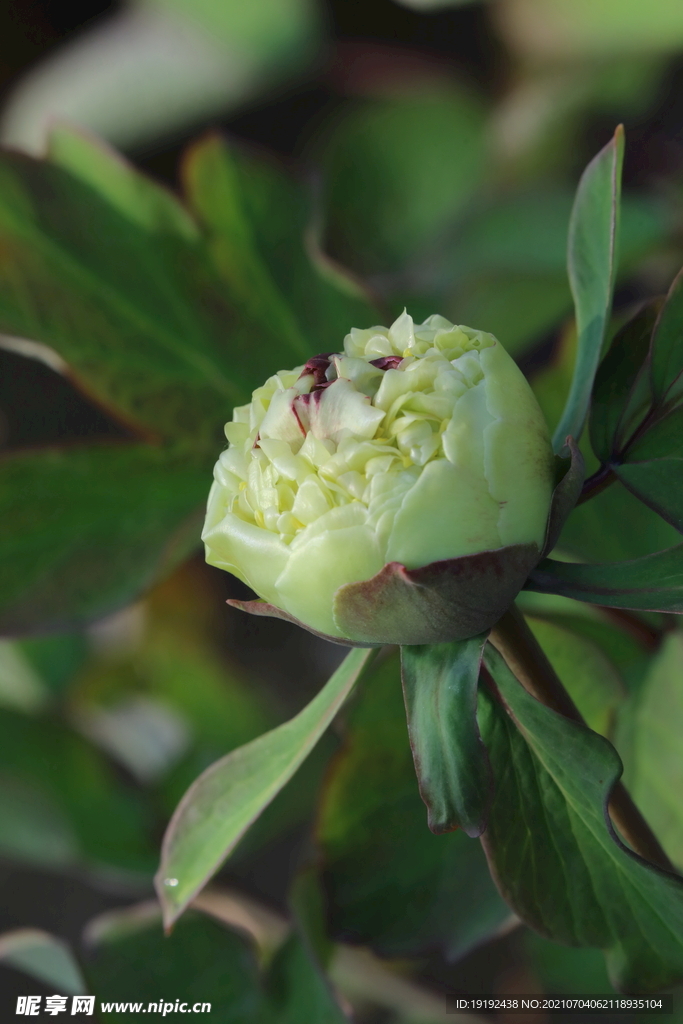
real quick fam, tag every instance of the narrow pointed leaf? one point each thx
(255, 219)
(553, 851)
(223, 802)
(591, 263)
(440, 690)
(109, 270)
(651, 583)
(667, 342)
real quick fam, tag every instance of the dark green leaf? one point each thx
(615, 525)
(391, 883)
(256, 220)
(552, 852)
(667, 342)
(659, 484)
(453, 771)
(109, 270)
(592, 258)
(226, 799)
(200, 962)
(652, 467)
(84, 530)
(652, 583)
(618, 403)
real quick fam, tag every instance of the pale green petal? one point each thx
(518, 460)
(255, 555)
(318, 568)
(280, 421)
(449, 512)
(366, 378)
(340, 409)
(463, 439)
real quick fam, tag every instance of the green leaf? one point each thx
(453, 771)
(615, 525)
(591, 260)
(130, 960)
(224, 801)
(83, 530)
(651, 583)
(619, 398)
(654, 770)
(667, 342)
(256, 221)
(554, 856)
(652, 468)
(587, 674)
(108, 268)
(390, 882)
(43, 957)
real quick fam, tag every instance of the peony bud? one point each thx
(397, 492)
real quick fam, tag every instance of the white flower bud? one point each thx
(416, 445)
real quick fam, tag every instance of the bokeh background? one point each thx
(442, 143)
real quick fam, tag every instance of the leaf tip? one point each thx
(171, 908)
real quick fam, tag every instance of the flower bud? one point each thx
(395, 492)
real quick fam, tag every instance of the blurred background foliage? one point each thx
(436, 147)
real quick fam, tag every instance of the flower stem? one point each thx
(525, 657)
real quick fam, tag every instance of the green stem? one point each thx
(525, 657)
